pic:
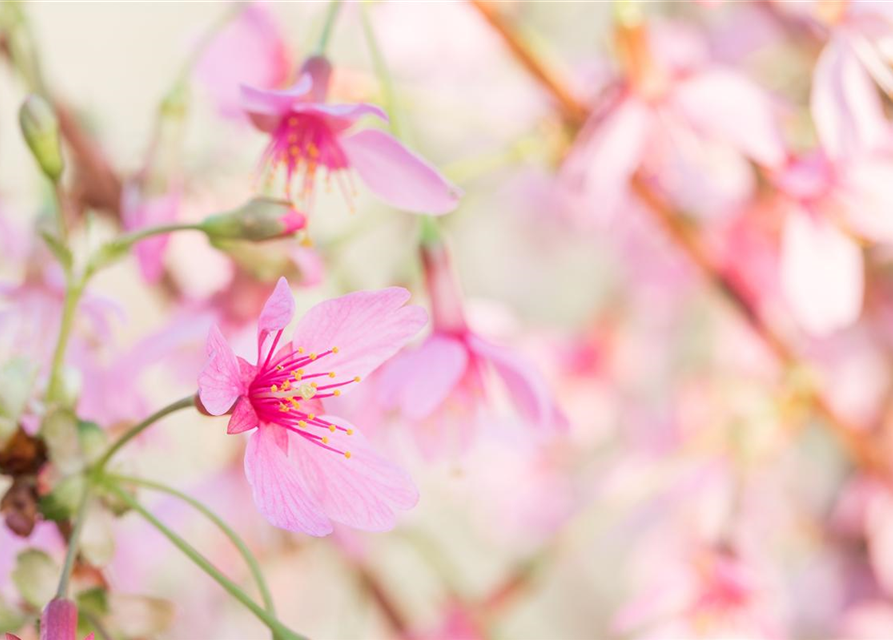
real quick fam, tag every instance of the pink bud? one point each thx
(59, 620)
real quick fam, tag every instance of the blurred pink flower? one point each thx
(679, 110)
(441, 384)
(307, 469)
(307, 133)
(139, 211)
(249, 50)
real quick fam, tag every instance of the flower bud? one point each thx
(41, 130)
(59, 620)
(258, 220)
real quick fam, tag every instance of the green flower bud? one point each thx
(41, 130)
(257, 220)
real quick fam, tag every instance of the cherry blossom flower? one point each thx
(307, 133)
(306, 468)
(442, 385)
(681, 114)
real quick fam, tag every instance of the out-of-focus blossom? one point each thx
(442, 385)
(307, 134)
(307, 468)
(140, 212)
(248, 50)
(678, 114)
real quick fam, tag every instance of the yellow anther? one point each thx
(311, 416)
(312, 356)
(286, 385)
(274, 389)
(297, 375)
(331, 374)
(294, 150)
(324, 440)
(337, 392)
(313, 384)
(332, 428)
(295, 403)
(293, 121)
(283, 407)
(347, 454)
(335, 349)
(300, 349)
(350, 432)
(302, 424)
(356, 378)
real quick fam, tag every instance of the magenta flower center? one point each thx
(283, 387)
(302, 144)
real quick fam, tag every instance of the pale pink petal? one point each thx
(419, 381)
(529, 390)
(249, 50)
(845, 103)
(279, 490)
(266, 106)
(367, 327)
(397, 175)
(866, 194)
(607, 158)
(349, 113)
(244, 417)
(139, 212)
(219, 383)
(278, 311)
(309, 264)
(821, 274)
(362, 491)
(728, 107)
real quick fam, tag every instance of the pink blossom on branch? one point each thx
(308, 134)
(307, 468)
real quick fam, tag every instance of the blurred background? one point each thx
(676, 214)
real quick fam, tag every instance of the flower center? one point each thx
(302, 143)
(284, 386)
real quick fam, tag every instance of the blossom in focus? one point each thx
(442, 385)
(248, 50)
(306, 468)
(682, 115)
(307, 134)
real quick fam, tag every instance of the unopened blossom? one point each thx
(307, 468)
(308, 135)
(442, 386)
(692, 121)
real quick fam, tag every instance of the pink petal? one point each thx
(248, 50)
(525, 383)
(349, 113)
(279, 490)
(607, 159)
(362, 491)
(866, 194)
(278, 311)
(266, 106)
(397, 175)
(219, 383)
(244, 417)
(419, 381)
(367, 327)
(845, 104)
(139, 212)
(728, 107)
(821, 274)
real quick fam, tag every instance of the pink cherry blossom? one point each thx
(307, 468)
(442, 384)
(680, 114)
(307, 133)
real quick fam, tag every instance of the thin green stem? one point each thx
(142, 234)
(384, 75)
(71, 554)
(250, 560)
(73, 293)
(134, 431)
(204, 564)
(331, 15)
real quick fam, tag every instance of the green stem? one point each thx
(383, 74)
(331, 15)
(71, 554)
(134, 431)
(73, 293)
(205, 565)
(142, 234)
(250, 560)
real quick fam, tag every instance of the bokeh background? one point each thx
(725, 470)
